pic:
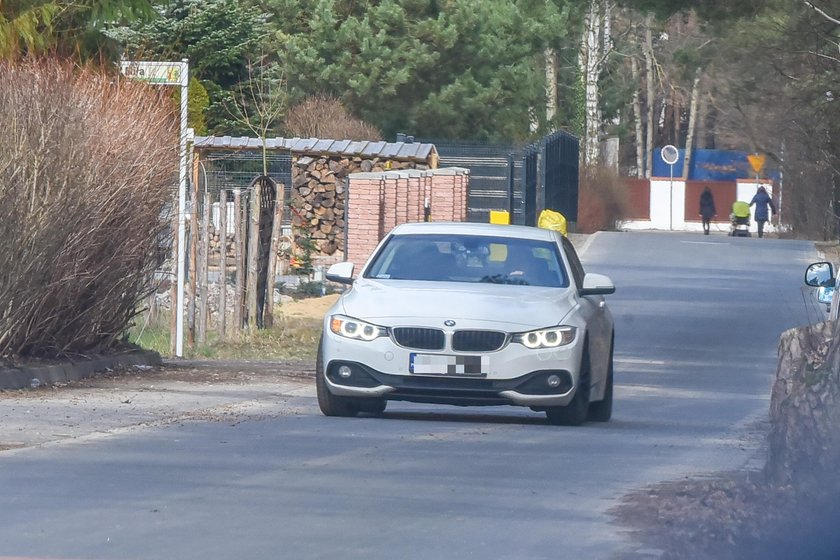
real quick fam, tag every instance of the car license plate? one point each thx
(440, 364)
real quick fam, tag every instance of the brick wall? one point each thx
(377, 202)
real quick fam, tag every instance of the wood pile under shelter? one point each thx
(320, 168)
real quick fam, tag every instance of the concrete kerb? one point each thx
(23, 377)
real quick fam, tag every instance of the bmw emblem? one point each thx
(449, 323)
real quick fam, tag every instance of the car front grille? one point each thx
(478, 341)
(420, 338)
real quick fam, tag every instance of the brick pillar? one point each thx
(414, 196)
(363, 221)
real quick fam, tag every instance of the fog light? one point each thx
(553, 381)
(344, 372)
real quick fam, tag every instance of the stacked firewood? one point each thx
(319, 186)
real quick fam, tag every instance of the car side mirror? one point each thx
(341, 272)
(597, 285)
(825, 294)
(819, 274)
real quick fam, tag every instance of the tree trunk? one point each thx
(550, 85)
(223, 211)
(591, 71)
(803, 443)
(692, 120)
(253, 255)
(648, 52)
(239, 253)
(637, 118)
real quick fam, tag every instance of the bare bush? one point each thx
(602, 200)
(326, 117)
(87, 164)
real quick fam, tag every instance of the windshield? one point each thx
(470, 258)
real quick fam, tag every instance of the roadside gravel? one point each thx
(139, 397)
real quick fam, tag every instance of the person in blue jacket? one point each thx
(762, 201)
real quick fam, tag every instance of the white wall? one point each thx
(667, 204)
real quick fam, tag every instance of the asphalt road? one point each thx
(698, 319)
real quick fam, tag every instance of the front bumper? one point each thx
(515, 375)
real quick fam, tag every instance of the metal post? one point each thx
(182, 210)
(671, 200)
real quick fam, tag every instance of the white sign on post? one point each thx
(171, 74)
(160, 73)
(670, 154)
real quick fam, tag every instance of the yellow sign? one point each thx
(499, 217)
(756, 162)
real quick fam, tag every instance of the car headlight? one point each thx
(546, 338)
(349, 327)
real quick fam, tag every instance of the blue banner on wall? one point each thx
(711, 165)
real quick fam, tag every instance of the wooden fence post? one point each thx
(268, 311)
(194, 231)
(222, 316)
(240, 261)
(253, 254)
(205, 265)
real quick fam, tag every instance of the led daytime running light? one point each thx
(353, 328)
(547, 338)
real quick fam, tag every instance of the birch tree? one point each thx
(596, 47)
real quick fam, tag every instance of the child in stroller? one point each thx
(739, 219)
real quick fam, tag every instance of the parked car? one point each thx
(470, 314)
(820, 275)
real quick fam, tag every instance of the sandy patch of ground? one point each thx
(309, 308)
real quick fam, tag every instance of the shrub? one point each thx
(326, 117)
(87, 166)
(602, 200)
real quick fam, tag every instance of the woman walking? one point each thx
(762, 200)
(707, 209)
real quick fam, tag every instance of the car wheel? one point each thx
(574, 413)
(601, 411)
(330, 405)
(372, 405)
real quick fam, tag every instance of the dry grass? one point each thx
(294, 336)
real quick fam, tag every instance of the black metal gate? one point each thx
(522, 181)
(551, 177)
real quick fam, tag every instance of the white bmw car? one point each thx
(469, 314)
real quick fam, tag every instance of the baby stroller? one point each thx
(739, 220)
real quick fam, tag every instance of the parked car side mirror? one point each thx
(819, 274)
(597, 285)
(341, 272)
(825, 294)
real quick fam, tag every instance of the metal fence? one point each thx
(521, 180)
(236, 169)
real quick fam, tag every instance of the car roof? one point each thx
(470, 228)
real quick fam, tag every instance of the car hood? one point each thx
(393, 302)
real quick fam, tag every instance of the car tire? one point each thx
(372, 405)
(574, 413)
(601, 411)
(330, 405)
